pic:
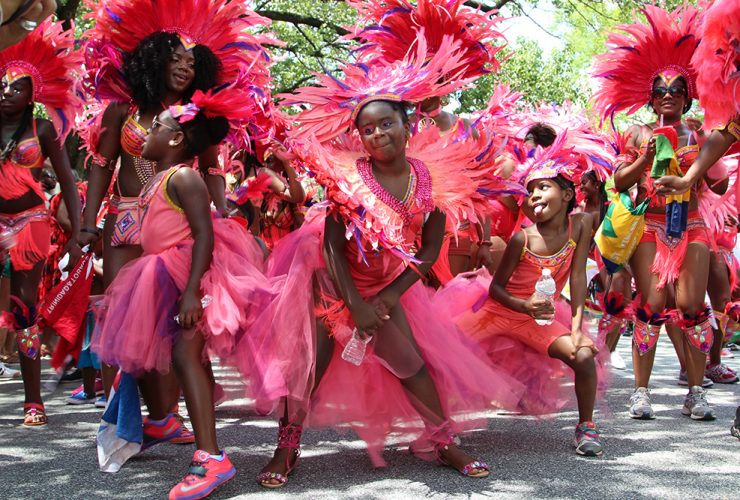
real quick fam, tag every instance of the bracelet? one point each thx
(90, 230)
(216, 172)
(103, 163)
(485, 244)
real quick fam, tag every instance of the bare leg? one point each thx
(187, 356)
(647, 287)
(284, 458)
(719, 293)
(690, 291)
(24, 286)
(584, 369)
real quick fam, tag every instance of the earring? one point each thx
(173, 143)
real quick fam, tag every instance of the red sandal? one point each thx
(289, 437)
(34, 415)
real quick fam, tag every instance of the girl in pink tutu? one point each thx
(559, 243)
(353, 273)
(196, 287)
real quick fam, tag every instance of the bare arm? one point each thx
(627, 175)
(100, 176)
(215, 182)
(188, 190)
(432, 236)
(578, 285)
(497, 291)
(60, 163)
(367, 317)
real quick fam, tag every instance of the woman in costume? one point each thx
(143, 57)
(717, 65)
(418, 374)
(650, 64)
(43, 69)
(198, 283)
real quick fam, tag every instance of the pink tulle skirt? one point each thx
(543, 377)
(136, 326)
(369, 398)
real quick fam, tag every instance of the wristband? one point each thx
(90, 230)
(485, 244)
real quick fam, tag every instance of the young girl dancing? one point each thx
(419, 373)
(559, 243)
(157, 309)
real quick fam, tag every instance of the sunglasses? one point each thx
(156, 123)
(660, 92)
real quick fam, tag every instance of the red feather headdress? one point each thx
(244, 109)
(389, 29)
(220, 25)
(717, 63)
(48, 58)
(334, 103)
(641, 53)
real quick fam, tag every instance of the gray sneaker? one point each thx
(695, 405)
(640, 407)
(683, 379)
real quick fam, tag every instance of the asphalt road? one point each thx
(670, 457)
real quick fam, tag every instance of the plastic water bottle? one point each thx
(354, 351)
(545, 289)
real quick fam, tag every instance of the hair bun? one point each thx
(218, 129)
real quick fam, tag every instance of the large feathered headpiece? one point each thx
(641, 53)
(388, 29)
(47, 56)
(556, 160)
(717, 62)
(334, 103)
(220, 25)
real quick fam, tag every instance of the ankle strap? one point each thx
(289, 436)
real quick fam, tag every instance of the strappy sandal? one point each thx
(34, 415)
(476, 469)
(289, 437)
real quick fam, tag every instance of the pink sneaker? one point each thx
(204, 475)
(721, 374)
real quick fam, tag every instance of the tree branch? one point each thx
(485, 7)
(298, 19)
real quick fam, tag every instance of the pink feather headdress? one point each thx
(717, 63)
(556, 160)
(334, 103)
(388, 29)
(220, 25)
(642, 52)
(47, 56)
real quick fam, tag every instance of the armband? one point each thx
(216, 171)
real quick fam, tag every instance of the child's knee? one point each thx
(584, 362)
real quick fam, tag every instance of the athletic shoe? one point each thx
(640, 407)
(98, 388)
(168, 430)
(695, 405)
(204, 475)
(186, 436)
(617, 361)
(72, 375)
(726, 353)
(101, 402)
(6, 372)
(683, 379)
(721, 374)
(587, 440)
(81, 398)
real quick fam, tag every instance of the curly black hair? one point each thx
(144, 69)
